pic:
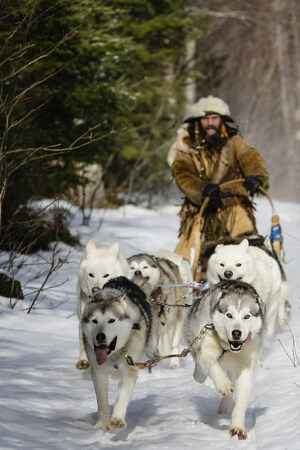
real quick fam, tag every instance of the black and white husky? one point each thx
(229, 351)
(118, 319)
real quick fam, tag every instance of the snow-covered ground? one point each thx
(46, 403)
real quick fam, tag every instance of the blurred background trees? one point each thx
(96, 90)
(251, 57)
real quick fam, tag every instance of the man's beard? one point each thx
(215, 140)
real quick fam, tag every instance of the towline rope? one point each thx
(157, 358)
(190, 284)
(200, 287)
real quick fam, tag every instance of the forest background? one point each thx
(91, 95)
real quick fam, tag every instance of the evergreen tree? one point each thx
(85, 72)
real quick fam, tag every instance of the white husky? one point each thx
(119, 319)
(99, 265)
(231, 316)
(256, 267)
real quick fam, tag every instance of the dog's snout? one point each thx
(95, 289)
(137, 272)
(228, 274)
(101, 338)
(236, 334)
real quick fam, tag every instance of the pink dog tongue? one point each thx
(101, 354)
(248, 338)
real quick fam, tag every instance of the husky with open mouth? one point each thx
(256, 266)
(118, 319)
(229, 350)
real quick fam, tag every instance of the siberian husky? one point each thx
(117, 319)
(257, 267)
(166, 268)
(231, 343)
(99, 265)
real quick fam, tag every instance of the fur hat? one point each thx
(206, 105)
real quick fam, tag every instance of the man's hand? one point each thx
(213, 191)
(252, 184)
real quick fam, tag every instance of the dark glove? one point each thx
(252, 184)
(213, 191)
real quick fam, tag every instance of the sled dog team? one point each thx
(121, 312)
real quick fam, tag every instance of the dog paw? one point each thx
(82, 364)
(103, 425)
(174, 364)
(241, 433)
(117, 422)
(225, 405)
(199, 375)
(226, 388)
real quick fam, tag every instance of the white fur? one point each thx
(256, 267)
(179, 144)
(99, 265)
(230, 370)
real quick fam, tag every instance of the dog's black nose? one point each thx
(101, 338)
(95, 289)
(137, 272)
(228, 274)
(236, 334)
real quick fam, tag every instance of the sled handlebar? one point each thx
(230, 183)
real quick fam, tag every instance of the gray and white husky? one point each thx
(117, 319)
(164, 268)
(229, 352)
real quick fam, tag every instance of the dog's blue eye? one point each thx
(111, 320)
(106, 275)
(95, 321)
(91, 275)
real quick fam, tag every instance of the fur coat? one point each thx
(194, 168)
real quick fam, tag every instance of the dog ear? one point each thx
(244, 244)
(91, 246)
(115, 249)
(267, 243)
(216, 296)
(261, 304)
(123, 301)
(218, 247)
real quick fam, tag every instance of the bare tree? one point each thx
(251, 58)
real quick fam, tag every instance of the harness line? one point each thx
(200, 287)
(156, 358)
